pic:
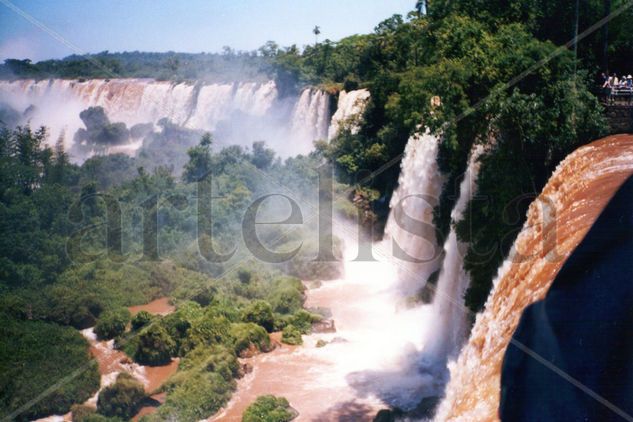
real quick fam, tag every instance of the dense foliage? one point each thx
(62, 264)
(228, 66)
(269, 409)
(122, 399)
(112, 323)
(35, 356)
(502, 81)
(485, 68)
(291, 335)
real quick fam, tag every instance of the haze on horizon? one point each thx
(28, 29)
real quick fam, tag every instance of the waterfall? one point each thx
(349, 111)
(240, 112)
(410, 223)
(556, 223)
(410, 230)
(310, 116)
(449, 319)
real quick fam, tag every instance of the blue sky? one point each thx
(188, 26)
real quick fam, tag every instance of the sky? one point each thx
(44, 29)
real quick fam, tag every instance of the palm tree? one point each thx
(316, 31)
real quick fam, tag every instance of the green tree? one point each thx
(261, 313)
(291, 335)
(316, 31)
(155, 346)
(269, 409)
(112, 323)
(199, 164)
(248, 335)
(141, 319)
(122, 399)
(262, 157)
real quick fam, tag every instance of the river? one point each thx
(364, 363)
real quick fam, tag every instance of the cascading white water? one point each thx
(310, 116)
(248, 111)
(410, 224)
(349, 111)
(410, 228)
(449, 318)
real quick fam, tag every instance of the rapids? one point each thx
(359, 370)
(388, 350)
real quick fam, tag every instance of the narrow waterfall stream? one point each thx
(449, 317)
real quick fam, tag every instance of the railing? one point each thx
(620, 96)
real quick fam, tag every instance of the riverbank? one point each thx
(359, 369)
(112, 362)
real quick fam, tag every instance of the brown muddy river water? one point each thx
(347, 379)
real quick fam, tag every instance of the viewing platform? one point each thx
(618, 108)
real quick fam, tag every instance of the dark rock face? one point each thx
(620, 118)
(423, 411)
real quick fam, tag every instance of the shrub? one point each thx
(141, 319)
(204, 295)
(202, 385)
(196, 398)
(303, 320)
(218, 359)
(178, 324)
(155, 346)
(247, 334)
(261, 313)
(212, 328)
(287, 295)
(96, 417)
(291, 335)
(35, 355)
(122, 399)
(82, 413)
(269, 409)
(112, 323)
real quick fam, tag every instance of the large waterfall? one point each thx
(556, 223)
(417, 255)
(239, 113)
(410, 223)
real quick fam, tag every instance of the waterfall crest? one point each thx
(556, 223)
(242, 112)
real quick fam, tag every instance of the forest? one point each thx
(63, 267)
(62, 271)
